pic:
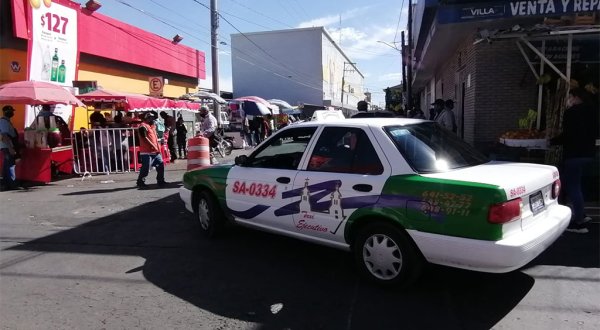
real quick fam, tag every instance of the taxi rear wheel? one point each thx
(208, 213)
(385, 255)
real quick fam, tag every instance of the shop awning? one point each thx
(274, 109)
(137, 102)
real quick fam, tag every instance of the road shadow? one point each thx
(98, 191)
(573, 250)
(280, 282)
(170, 185)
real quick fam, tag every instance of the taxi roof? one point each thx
(366, 122)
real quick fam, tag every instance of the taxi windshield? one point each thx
(429, 148)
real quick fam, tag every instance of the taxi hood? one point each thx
(517, 179)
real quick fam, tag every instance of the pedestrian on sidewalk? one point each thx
(446, 116)
(150, 153)
(170, 130)
(578, 138)
(181, 138)
(9, 145)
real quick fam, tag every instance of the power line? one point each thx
(398, 25)
(281, 65)
(263, 15)
(160, 20)
(244, 53)
(302, 9)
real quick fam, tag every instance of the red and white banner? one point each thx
(52, 48)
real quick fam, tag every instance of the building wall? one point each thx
(13, 67)
(499, 89)
(505, 89)
(126, 79)
(448, 83)
(336, 67)
(292, 71)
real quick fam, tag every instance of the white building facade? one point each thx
(297, 65)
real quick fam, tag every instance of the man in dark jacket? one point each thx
(578, 138)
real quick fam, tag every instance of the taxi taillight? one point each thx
(505, 212)
(556, 189)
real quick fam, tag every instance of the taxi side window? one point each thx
(345, 150)
(284, 150)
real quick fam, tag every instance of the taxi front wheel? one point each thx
(385, 255)
(209, 214)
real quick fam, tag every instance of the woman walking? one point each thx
(181, 138)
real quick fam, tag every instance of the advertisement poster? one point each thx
(53, 49)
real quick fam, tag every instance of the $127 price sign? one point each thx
(54, 23)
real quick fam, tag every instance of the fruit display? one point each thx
(524, 134)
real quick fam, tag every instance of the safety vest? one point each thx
(145, 147)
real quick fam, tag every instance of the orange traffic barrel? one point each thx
(198, 152)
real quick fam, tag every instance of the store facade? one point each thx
(485, 56)
(62, 42)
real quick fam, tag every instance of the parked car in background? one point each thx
(396, 192)
(374, 114)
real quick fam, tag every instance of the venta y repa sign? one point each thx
(508, 9)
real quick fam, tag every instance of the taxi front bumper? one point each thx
(500, 256)
(186, 196)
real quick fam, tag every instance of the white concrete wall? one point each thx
(333, 64)
(289, 68)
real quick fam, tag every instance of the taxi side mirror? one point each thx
(241, 160)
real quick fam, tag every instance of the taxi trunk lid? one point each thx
(530, 182)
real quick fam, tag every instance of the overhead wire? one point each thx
(302, 9)
(244, 53)
(276, 61)
(285, 9)
(249, 56)
(263, 15)
(398, 25)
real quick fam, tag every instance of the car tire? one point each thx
(209, 214)
(385, 255)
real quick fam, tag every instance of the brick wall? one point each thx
(451, 75)
(505, 89)
(502, 88)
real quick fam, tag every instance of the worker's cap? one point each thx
(8, 108)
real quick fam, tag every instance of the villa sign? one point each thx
(509, 9)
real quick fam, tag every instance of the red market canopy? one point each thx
(36, 93)
(137, 102)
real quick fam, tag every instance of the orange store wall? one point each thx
(13, 67)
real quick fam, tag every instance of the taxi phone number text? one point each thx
(254, 189)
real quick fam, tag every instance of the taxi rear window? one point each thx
(429, 148)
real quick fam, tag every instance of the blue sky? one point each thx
(363, 24)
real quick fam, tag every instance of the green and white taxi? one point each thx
(396, 192)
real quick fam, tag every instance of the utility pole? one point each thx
(344, 79)
(409, 57)
(403, 52)
(214, 51)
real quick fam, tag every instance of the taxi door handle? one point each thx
(362, 187)
(283, 179)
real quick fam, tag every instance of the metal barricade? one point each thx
(105, 150)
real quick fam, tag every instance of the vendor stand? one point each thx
(45, 151)
(132, 103)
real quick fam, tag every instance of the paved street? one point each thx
(100, 254)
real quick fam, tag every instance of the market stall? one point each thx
(46, 144)
(110, 103)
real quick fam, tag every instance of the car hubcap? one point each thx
(382, 257)
(203, 214)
